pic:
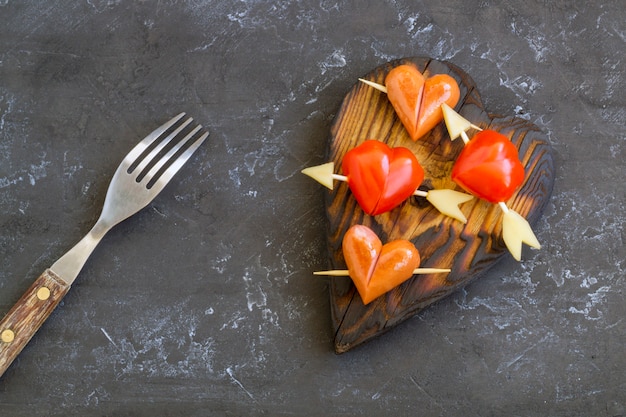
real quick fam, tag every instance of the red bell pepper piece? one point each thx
(381, 177)
(489, 167)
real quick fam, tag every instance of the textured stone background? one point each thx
(204, 304)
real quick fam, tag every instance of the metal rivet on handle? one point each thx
(43, 293)
(7, 336)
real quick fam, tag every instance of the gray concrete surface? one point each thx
(204, 303)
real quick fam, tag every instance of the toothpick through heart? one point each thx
(346, 273)
(445, 201)
(515, 229)
(417, 97)
(377, 86)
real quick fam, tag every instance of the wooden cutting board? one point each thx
(469, 250)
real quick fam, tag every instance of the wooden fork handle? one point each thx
(28, 314)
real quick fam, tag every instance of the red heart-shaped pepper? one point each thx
(489, 167)
(381, 177)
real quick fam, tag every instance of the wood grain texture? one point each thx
(468, 250)
(28, 314)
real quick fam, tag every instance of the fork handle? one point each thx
(28, 314)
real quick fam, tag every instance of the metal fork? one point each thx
(141, 176)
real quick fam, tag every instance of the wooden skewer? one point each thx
(377, 86)
(346, 273)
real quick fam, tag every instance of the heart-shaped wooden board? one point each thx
(469, 250)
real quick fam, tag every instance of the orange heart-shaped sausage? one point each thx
(376, 268)
(417, 100)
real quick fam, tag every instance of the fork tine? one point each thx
(168, 156)
(154, 152)
(148, 140)
(177, 163)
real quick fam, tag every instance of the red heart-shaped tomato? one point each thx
(417, 100)
(381, 177)
(489, 167)
(376, 268)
